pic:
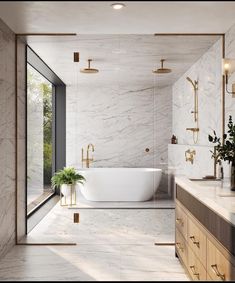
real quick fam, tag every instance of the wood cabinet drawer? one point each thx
(181, 220)
(218, 266)
(181, 246)
(195, 268)
(197, 240)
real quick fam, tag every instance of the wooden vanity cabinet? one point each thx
(201, 254)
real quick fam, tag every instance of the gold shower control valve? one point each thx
(189, 155)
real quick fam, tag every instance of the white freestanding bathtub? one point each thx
(120, 184)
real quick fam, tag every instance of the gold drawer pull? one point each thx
(179, 247)
(192, 267)
(195, 242)
(180, 221)
(216, 271)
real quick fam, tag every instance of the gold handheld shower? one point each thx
(195, 83)
(195, 111)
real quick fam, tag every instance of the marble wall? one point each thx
(207, 70)
(7, 140)
(230, 53)
(120, 114)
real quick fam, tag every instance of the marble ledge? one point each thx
(190, 144)
(213, 194)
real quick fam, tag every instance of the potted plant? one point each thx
(225, 150)
(66, 180)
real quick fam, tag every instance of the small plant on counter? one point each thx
(225, 150)
(67, 176)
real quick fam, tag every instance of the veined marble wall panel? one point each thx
(162, 132)
(119, 121)
(7, 139)
(207, 70)
(230, 53)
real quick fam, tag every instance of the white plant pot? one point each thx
(227, 173)
(66, 190)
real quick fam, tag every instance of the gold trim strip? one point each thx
(46, 244)
(164, 244)
(46, 34)
(188, 34)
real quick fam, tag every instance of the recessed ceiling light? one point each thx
(118, 6)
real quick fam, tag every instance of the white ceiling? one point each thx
(138, 17)
(121, 59)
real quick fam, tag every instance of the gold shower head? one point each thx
(89, 70)
(162, 70)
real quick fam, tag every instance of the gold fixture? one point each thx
(162, 70)
(89, 70)
(195, 273)
(76, 57)
(228, 69)
(88, 159)
(195, 87)
(189, 155)
(118, 6)
(73, 197)
(216, 271)
(195, 111)
(192, 129)
(76, 217)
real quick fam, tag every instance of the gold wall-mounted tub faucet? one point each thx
(88, 159)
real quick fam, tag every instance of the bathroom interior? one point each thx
(132, 113)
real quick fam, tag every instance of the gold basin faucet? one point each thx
(88, 159)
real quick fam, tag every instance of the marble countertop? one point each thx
(213, 194)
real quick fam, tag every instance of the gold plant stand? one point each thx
(73, 196)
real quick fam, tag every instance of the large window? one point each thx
(39, 138)
(46, 130)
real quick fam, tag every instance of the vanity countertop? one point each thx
(212, 194)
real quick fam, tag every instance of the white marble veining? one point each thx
(112, 244)
(130, 58)
(207, 70)
(121, 123)
(213, 194)
(203, 164)
(7, 139)
(230, 53)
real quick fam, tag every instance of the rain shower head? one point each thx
(162, 70)
(89, 70)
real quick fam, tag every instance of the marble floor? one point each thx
(112, 244)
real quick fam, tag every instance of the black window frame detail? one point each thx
(58, 123)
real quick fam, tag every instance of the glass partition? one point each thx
(39, 138)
